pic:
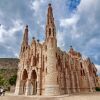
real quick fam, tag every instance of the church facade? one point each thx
(44, 69)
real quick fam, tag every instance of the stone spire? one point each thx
(25, 37)
(24, 45)
(50, 19)
(50, 26)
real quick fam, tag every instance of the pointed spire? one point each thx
(50, 19)
(25, 37)
(50, 26)
(24, 45)
(71, 49)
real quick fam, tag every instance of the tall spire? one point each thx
(50, 26)
(24, 45)
(50, 19)
(25, 37)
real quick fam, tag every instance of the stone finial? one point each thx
(33, 37)
(49, 4)
(38, 40)
(71, 48)
(26, 27)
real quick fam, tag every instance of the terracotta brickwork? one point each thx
(46, 70)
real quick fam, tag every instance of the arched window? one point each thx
(49, 31)
(33, 74)
(34, 60)
(23, 49)
(43, 63)
(56, 54)
(57, 80)
(53, 31)
(46, 70)
(37, 58)
(81, 65)
(81, 73)
(25, 75)
(56, 66)
(46, 48)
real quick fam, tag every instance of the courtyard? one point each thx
(85, 96)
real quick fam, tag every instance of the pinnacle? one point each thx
(26, 26)
(49, 4)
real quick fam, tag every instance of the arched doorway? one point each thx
(33, 82)
(24, 80)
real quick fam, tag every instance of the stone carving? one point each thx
(50, 71)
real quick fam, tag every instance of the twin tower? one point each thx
(37, 73)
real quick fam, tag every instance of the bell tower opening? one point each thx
(49, 31)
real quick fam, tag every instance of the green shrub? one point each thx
(12, 80)
(1, 81)
(7, 77)
(4, 82)
(97, 88)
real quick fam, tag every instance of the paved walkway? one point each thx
(87, 96)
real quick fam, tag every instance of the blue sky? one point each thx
(77, 24)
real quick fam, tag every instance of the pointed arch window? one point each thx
(53, 31)
(49, 31)
(81, 65)
(81, 73)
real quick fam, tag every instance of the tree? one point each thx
(12, 80)
(1, 81)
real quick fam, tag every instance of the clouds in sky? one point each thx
(77, 24)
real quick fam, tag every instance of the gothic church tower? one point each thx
(51, 85)
(24, 45)
(44, 69)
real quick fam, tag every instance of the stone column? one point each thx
(28, 89)
(77, 82)
(89, 82)
(73, 84)
(38, 82)
(18, 88)
(88, 77)
(67, 82)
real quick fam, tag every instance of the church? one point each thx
(44, 69)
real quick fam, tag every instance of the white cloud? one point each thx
(85, 5)
(36, 5)
(98, 68)
(60, 39)
(17, 26)
(69, 22)
(16, 55)
(2, 32)
(9, 33)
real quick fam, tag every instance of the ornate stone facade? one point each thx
(46, 70)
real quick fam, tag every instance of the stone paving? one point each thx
(87, 96)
